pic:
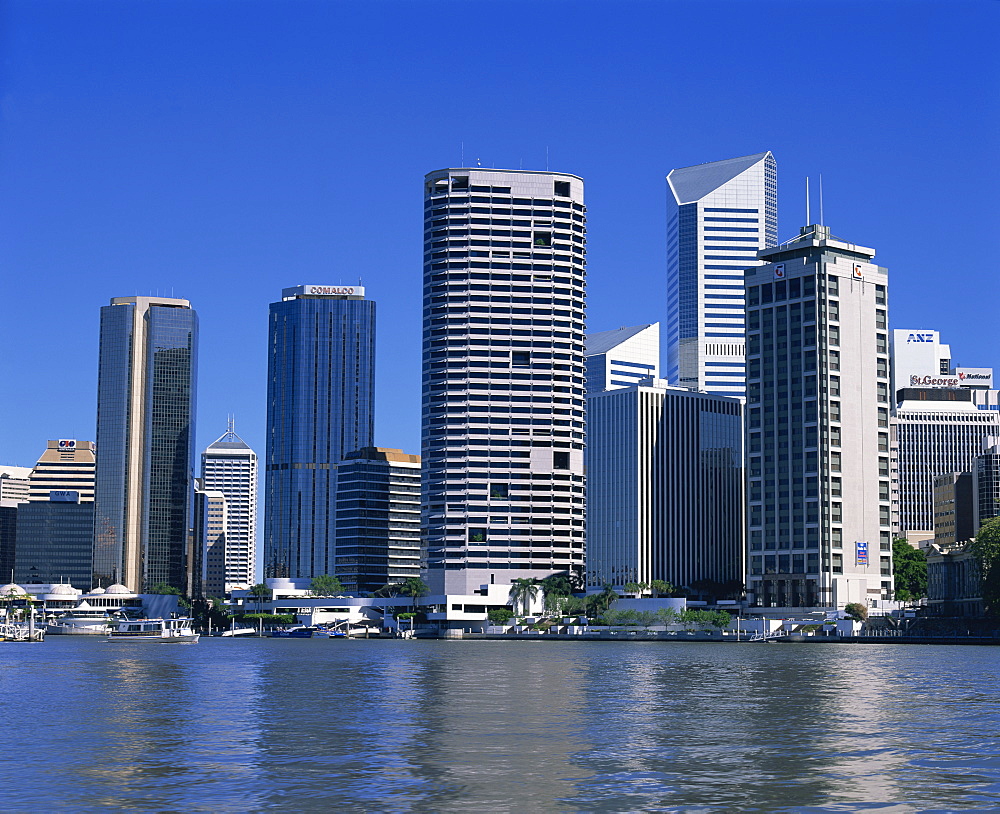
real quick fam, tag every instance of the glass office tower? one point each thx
(145, 442)
(503, 376)
(719, 215)
(320, 406)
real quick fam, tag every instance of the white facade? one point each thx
(664, 487)
(719, 215)
(229, 466)
(917, 354)
(622, 358)
(66, 465)
(934, 437)
(14, 483)
(818, 425)
(503, 376)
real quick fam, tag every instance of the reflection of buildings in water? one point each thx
(164, 728)
(442, 723)
(726, 727)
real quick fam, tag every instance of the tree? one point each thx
(857, 611)
(260, 593)
(325, 585)
(389, 590)
(986, 548)
(523, 592)
(414, 587)
(499, 616)
(606, 597)
(165, 589)
(909, 568)
(635, 587)
(555, 588)
(660, 587)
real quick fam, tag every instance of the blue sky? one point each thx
(221, 151)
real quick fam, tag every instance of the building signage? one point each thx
(934, 381)
(975, 376)
(920, 337)
(324, 291)
(67, 443)
(64, 496)
(859, 271)
(862, 553)
(779, 271)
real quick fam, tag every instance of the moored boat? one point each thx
(158, 630)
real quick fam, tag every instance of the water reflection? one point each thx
(320, 725)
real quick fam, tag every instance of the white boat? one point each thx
(240, 631)
(156, 630)
(83, 620)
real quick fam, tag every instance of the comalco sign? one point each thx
(324, 291)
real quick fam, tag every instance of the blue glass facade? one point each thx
(320, 405)
(145, 442)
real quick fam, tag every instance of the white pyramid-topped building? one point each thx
(719, 215)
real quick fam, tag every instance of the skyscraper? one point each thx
(66, 465)
(229, 466)
(320, 406)
(665, 488)
(818, 424)
(145, 442)
(503, 376)
(719, 215)
(622, 358)
(378, 518)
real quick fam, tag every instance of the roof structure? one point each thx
(690, 184)
(604, 341)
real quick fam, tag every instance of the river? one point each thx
(246, 725)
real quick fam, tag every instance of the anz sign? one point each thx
(911, 338)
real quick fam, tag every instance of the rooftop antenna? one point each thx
(232, 425)
(546, 157)
(821, 221)
(808, 222)
(463, 155)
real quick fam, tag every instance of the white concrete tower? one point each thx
(503, 376)
(818, 457)
(229, 466)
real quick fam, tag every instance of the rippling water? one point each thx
(427, 726)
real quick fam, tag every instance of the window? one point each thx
(459, 182)
(835, 355)
(560, 460)
(836, 487)
(880, 321)
(880, 295)
(477, 535)
(520, 358)
(542, 240)
(835, 461)
(561, 189)
(834, 335)
(499, 491)
(838, 563)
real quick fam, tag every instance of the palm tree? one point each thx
(660, 587)
(523, 592)
(606, 597)
(414, 587)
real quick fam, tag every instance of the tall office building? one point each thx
(66, 465)
(229, 466)
(665, 488)
(503, 376)
(209, 546)
(622, 358)
(719, 215)
(320, 406)
(818, 424)
(145, 442)
(954, 508)
(55, 541)
(378, 518)
(937, 429)
(917, 358)
(986, 483)
(14, 483)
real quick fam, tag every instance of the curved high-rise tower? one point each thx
(503, 376)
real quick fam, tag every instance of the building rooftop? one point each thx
(603, 341)
(693, 183)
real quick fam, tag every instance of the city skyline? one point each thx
(219, 176)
